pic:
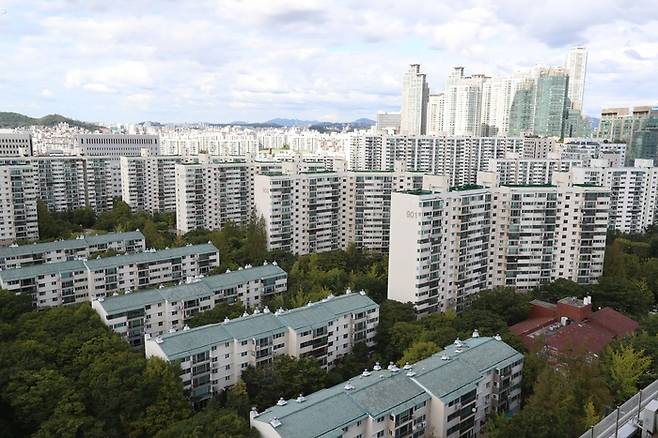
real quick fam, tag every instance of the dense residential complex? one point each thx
(81, 280)
(449, 394)
(20, 256)
(155, 312)
(457, 158)
(452, 244)
(212, 357)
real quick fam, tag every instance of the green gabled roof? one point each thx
(149, 256)
(201, 288)
(449, 379)
(43, 269)
(325, 412)
(188, 342)
(253, 326)
(262, 324)
(60, 245)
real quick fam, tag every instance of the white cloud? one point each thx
(222, 60)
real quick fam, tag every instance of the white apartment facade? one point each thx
(148, 183)
(633, 192)
(413, 110)
(15, 144)
(19, 256)
(450, 394)
(71, 182)
(210, 194)
(529, 171)
(155, 312)
(76, 281)
(452, 244)
(324, 211)
(18, 202)
(116, 145)
(212, 357)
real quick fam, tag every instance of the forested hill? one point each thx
(16, 120)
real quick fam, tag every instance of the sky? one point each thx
(253, 60)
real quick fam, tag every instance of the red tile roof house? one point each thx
(571, 325)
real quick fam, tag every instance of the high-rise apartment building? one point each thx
(576, 65)
(529, 171)
(155, 312)
(435, 109)
(637, 127)
(413, 111)
(633, 192)
(71, 182)
(551, 102)
(212, 357)
(18, 202)
(323, 211)
(457, 158)
(452, 393)
(463, 103)
(208, 195)
(148, 183)
(451, 244)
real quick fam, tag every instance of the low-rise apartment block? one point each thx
(19, 256)
(450, 244)
(212, 357)
(155, 312)
(450, 394)
(75, 281)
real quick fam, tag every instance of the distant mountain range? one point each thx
(16, 120)
(325, 126)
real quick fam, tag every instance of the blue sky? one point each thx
(168, 60)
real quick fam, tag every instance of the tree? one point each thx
(285, 377)
(550, 412)
(624, 366)
(217, 314)
(509, 305)
(237, 399)
(419, 350)
(628, 296)
(212, 422)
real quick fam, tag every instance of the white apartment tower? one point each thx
(452, 244)
(18, 201)
(413, 111)
(435, 108)
(148, 183)
(210, 194)
(576, 65)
